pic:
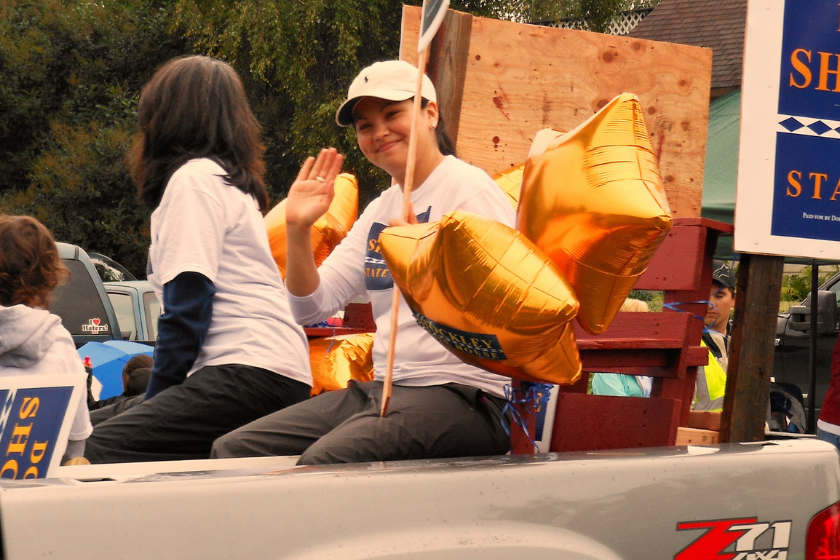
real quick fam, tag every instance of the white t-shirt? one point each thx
(356, 267)
(207, 226)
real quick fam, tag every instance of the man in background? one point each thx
(711, 379)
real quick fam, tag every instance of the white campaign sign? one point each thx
(788, 198)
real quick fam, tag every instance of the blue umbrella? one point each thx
(108, 359)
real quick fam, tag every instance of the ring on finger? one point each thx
(320, 179)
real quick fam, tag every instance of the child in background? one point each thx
(32, 340)
(135, 380)
(619, 384)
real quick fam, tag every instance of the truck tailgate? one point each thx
(623, 504)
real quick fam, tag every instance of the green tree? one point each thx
(592, 15)
(73, 69)
(797, 286)
(82, 192)
(299, 57)
(599, 14)
(72, 75)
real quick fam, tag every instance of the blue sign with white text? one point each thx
(810, 81)
(806, 201)
(377, 275)
(806, 193)
(29, 429)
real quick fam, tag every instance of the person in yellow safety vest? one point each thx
(711, 379)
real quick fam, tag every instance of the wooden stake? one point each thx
(751, 349)
(407, 188)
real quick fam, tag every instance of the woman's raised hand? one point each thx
(312, 192)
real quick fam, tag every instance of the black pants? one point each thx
(345, 427)
(182, 421)
(117, 406)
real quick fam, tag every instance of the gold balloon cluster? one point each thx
(335, 360)
(327, 231)
(591, 212)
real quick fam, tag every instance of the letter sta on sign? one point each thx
(812, 184)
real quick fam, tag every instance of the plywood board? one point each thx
(521, 78)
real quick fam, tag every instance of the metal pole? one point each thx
(812, 357)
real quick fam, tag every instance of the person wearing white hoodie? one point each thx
(32, 340)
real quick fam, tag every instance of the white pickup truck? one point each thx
(748, 501)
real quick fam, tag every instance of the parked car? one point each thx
(82, 303)
(793, 341)
(110, 270)
(137, 308)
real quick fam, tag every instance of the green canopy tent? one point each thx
(721, 171)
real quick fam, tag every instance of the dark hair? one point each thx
(138, 382)
(30, 268)
(195, 107)
(136, 373)
(137, 362)
(444, 142)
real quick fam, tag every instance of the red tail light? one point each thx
(823, 540)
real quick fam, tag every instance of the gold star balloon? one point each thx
(328, 230)
(593, 201)
(487, 294)
(510, 181)
(335, 360)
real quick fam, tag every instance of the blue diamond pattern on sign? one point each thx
(820, 127)
(791, 124)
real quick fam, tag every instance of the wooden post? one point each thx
(751, 349)
(447, 67)
(812, 349)
(446, 63)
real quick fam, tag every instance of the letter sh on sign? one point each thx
(35, 422)
(789, 172)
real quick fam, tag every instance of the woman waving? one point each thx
(440, 407)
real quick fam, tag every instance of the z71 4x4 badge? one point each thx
(736, 539)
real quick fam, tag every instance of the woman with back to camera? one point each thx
(228, 350)
(32, 340)
(440, 407)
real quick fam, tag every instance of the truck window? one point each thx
(78, 303)
(125, 313)
(153, 311)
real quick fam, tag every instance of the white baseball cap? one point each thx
(393, 80)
